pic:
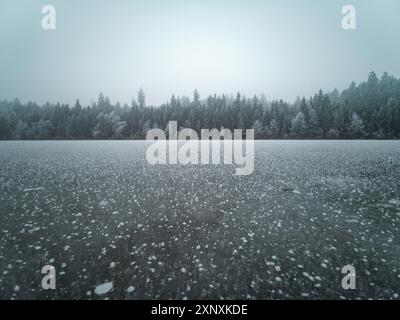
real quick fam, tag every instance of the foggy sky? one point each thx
(284, 48)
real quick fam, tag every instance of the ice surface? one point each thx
(33, 189)
(103, 215)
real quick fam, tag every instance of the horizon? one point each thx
(190, 97)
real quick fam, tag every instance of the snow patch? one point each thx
(104, 288)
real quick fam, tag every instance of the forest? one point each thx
(369, 110)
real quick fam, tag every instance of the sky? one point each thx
(283, 48)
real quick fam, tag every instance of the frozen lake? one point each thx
(99, 213)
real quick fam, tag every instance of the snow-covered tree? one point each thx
(273, 129)
(313, 128)
(21, 130)
(109, 126)
(5, 128)
(141, 98)
(356, 127)
(299, 126)
(258, 128)
(146, 126)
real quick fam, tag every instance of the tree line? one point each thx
(369, 110)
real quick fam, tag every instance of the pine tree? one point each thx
(356, 128)
(146, 127)
(258, 129)
(313, 128)
(196, 98)
(299, 126)
(5, 128)
(141, 98)
(273, 129)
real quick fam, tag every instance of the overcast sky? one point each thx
(282, 48)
